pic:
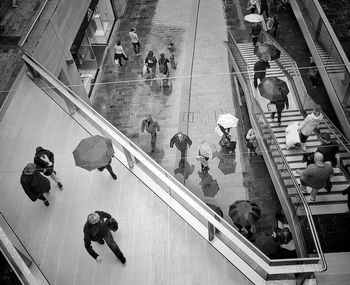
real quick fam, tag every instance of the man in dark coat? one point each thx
(96, 229)
(280, 104)
(44, 160)
(108, 166)
(34, 184)
(260, 71)
(255, 33)
(181, 141)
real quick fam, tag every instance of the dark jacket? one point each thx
(261, 65)
(329, 150)
(40, 162)
(95, 232)
(151, 60)
(281, 104)
(180, 145)
(33, 183)
(256, 30)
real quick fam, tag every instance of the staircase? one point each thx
(247, 50)
(325, 203)
(330, 62)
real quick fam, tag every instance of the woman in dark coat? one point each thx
(151, 62)
(35, 184)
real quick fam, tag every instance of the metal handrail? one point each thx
(306, 207)
(22, 41)
(253, 255)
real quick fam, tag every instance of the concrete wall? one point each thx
(53, 35)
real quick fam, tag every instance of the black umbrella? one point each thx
(273, 89)
(244, 213)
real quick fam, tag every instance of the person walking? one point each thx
(252, 142)
(264, 7)
(119, 53)
(163, 68)
(34, 184)
(251, 6)
(151, 127)
(312, 74)
(276, 24)
(108, 166)
(135, 41)
(181, 142)
(307, 127)
(255, 33)
(44, 160)
(280, 104)
(260, 71)
(204, 161)
(96, 229)
(151, 62)
(315, 175)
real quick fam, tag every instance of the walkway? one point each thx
(159, 246)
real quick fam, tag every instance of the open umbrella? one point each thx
(244, 213)
(93, 152)
(253, 18)
(207, 149)
(227, 121)
(273, 89)
(267, 51)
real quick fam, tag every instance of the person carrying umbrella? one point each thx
(260, 71)
(280, 104)
(255, 32)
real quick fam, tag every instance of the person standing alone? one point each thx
(135, 41)
(152, 127)
(96, 229)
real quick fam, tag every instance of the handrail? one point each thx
(251, 254)
(22, 41)
(306, 207)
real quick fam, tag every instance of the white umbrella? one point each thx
(227, 121)
(253, 18)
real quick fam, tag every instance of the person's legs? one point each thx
(255, 40)
(135, 48)
(56, 179)
(313, 194)
(119, 57)
(153, 140)
(303, 140)
(110, 170)
(113, 246)
(183, 158)
(255, 79)
(279, 116)
(273, 115)
(42, 198)
(138, 47)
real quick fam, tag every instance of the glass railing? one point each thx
(297, 211)
(334, 61)
(227, 239)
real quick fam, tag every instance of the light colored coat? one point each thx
(309, 124)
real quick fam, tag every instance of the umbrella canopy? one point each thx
(93, 152)
(267, 51)
(267, 245)
(207, 149)
(243, 212)
(227, 121)
(273, 89)
(253, 18)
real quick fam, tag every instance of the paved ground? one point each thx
(125, 103)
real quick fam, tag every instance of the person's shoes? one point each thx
(114, 176)
(46, 203)
(152, 150)
(101, 241)
(59, 184)
(312, 199)
(272, 117)
(14, 5)
(122, 260)
(303, 188)
(279, 123)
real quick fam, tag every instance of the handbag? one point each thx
(271, 107)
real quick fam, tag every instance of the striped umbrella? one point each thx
(243, 212)
(93, 152)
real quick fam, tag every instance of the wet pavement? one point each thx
(124, 98)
